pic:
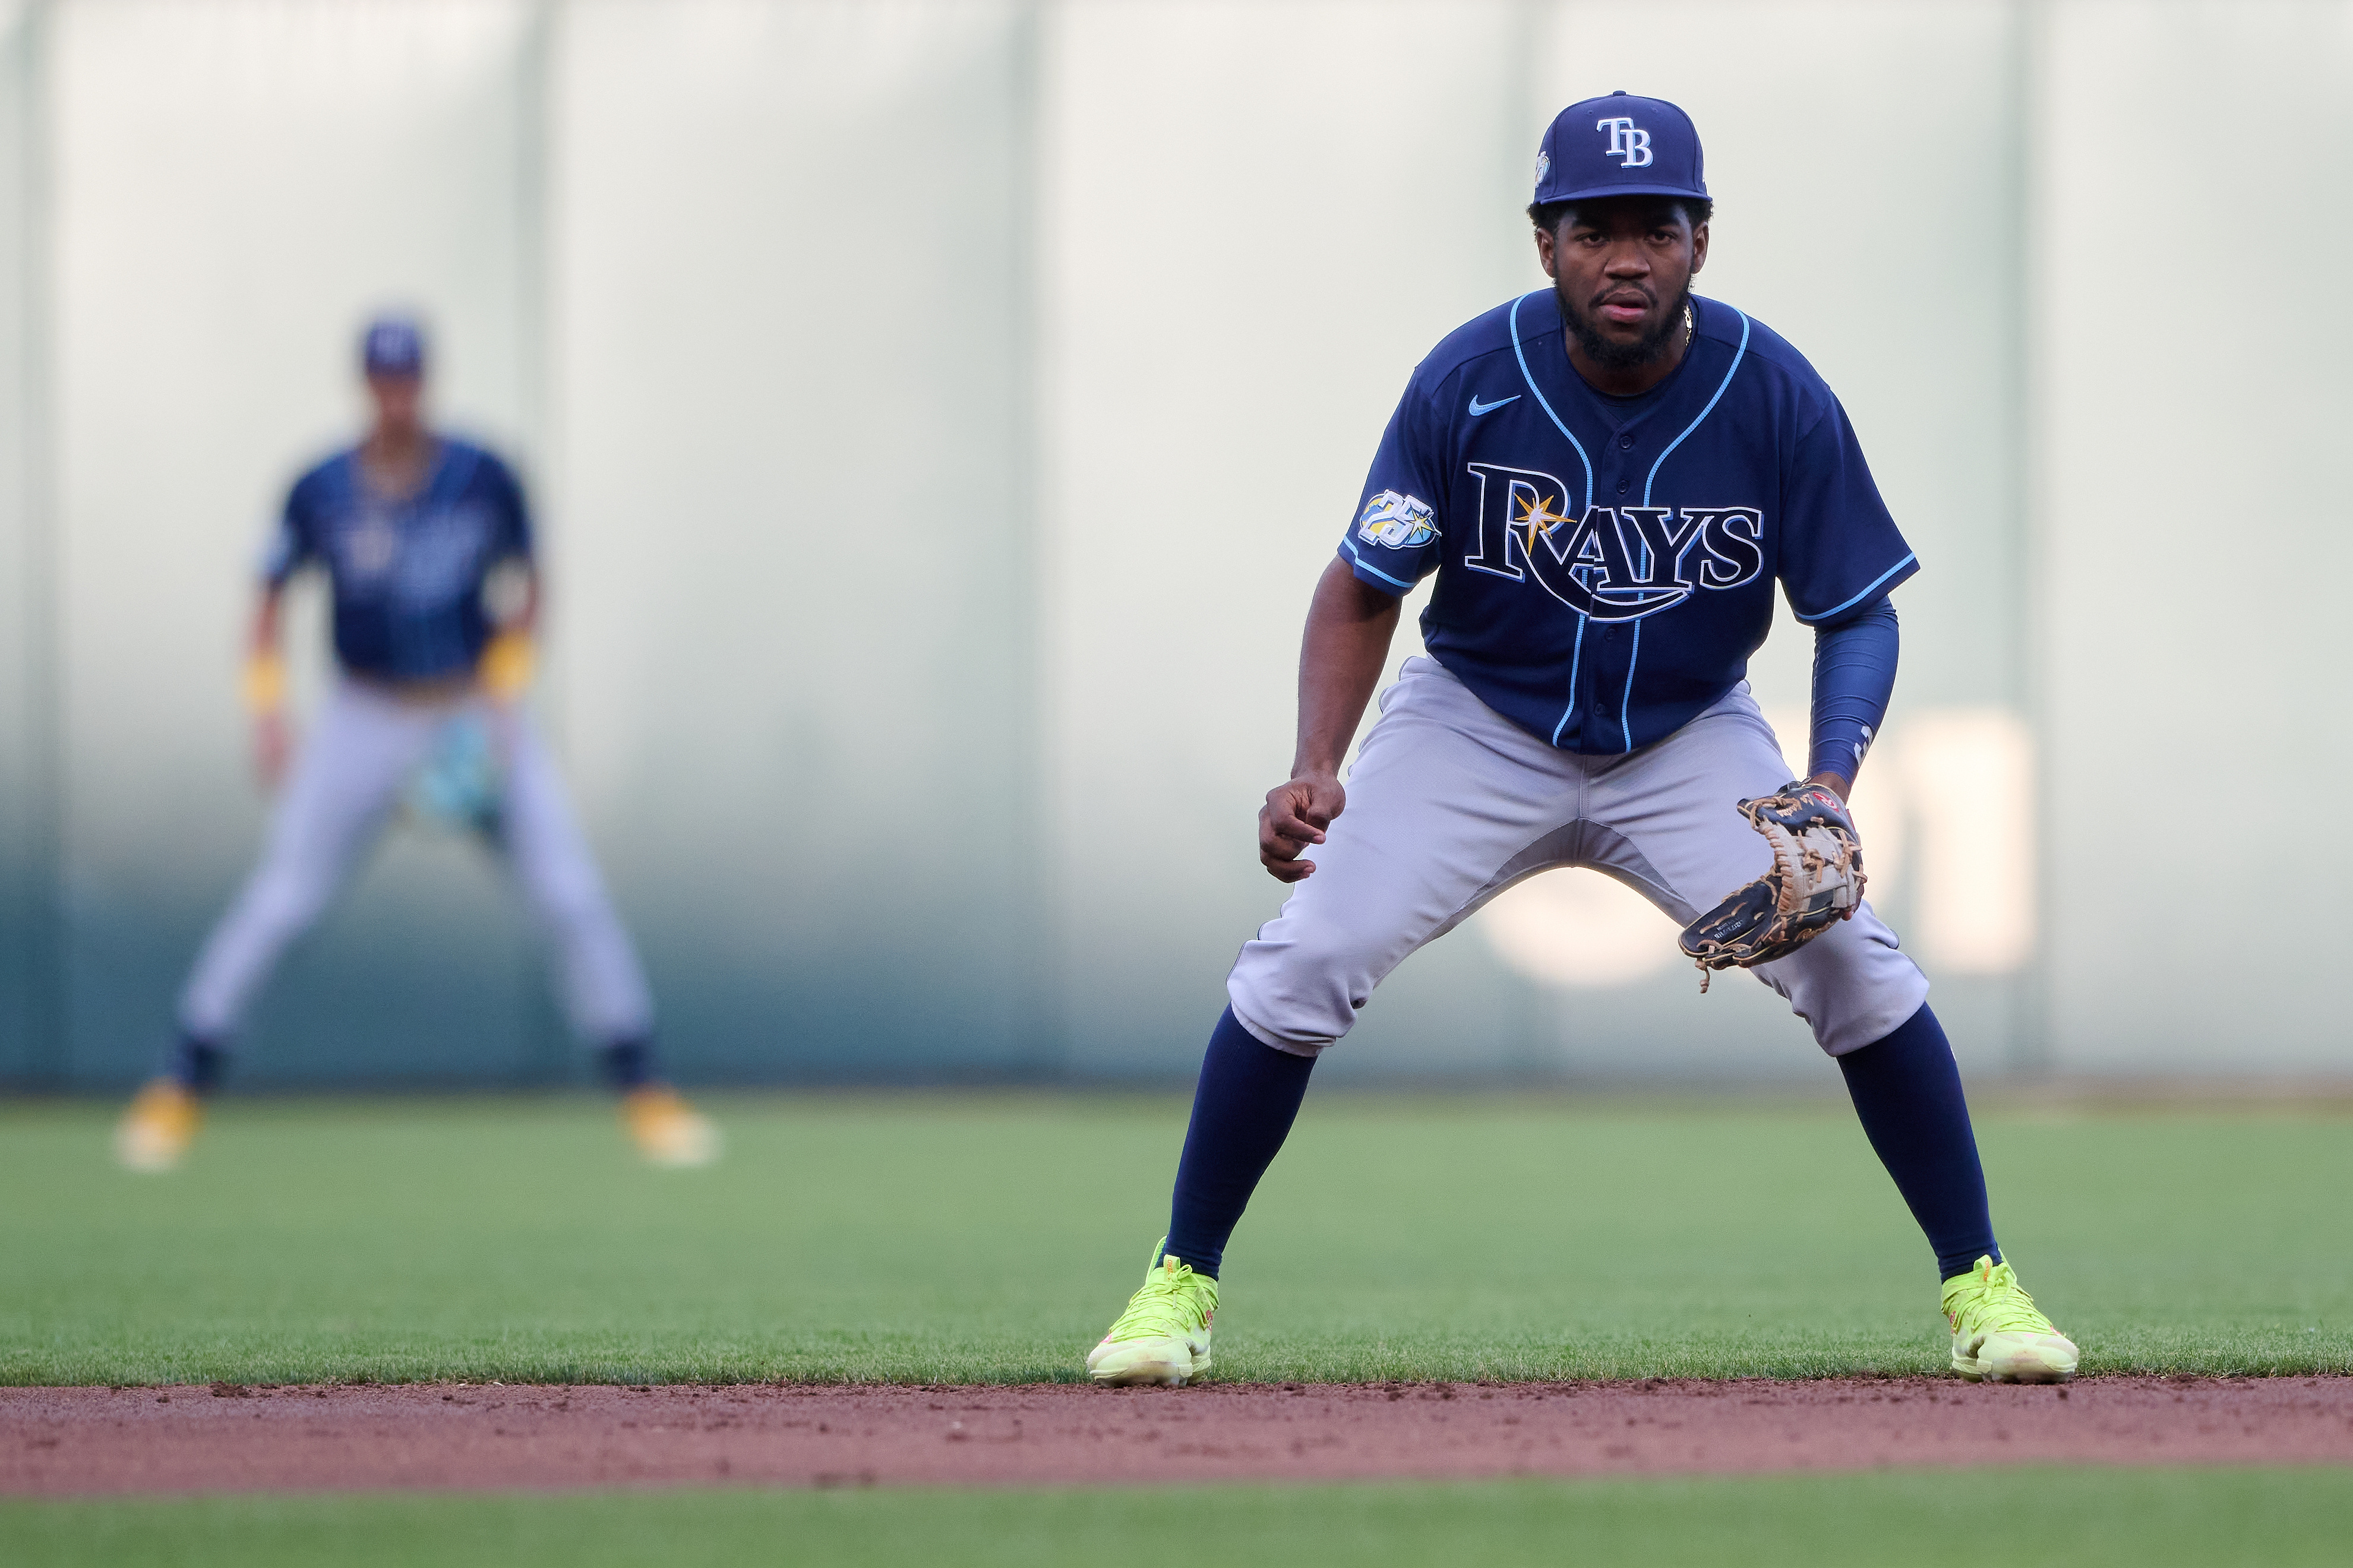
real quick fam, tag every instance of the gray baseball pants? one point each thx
(350, 773)
(1449, 804)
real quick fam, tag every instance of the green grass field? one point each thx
(2019, 1519)
(990, 1238)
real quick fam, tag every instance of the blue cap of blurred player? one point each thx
(1620, 146)
(393, 346)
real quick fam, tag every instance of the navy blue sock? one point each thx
(626, 1065)
(1249, 1095)
(1907, 1090)
(195, 1065)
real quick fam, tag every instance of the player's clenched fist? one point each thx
(1295, 815)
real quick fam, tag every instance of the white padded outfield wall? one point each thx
(937, 411)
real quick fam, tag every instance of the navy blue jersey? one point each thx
(1605, 564)
(408, 574)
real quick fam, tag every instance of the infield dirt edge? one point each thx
(198, 1438)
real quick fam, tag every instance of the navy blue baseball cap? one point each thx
(1620, 146)
(393, 346)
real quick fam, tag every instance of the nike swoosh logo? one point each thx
(1477, 407)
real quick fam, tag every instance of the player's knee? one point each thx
(1280, 1023)
(1298, 996)
(1852, 985)
(565, 897)
(289, 904)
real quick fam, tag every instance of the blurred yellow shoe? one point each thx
(1999, 1333)
(667, 1130)
(1164, 1335)
(158, 1127)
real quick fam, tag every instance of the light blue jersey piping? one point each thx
(1517, 354)
(1867, 593)
(1626, 698)
(1576, 655)
(1737, 355)
(1350, 546)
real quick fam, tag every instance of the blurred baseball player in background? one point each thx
(1608, 477)
(426, 545)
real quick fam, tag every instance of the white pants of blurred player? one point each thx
(350, 775)
(1450, 803)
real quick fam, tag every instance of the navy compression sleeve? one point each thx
(1855, 675)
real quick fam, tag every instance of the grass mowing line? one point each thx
(2021, 1517)
(940, 1240)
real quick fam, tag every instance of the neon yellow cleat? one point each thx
(1164, 1335)
(667, 1130)
(1997, 1334)
(157, 1127)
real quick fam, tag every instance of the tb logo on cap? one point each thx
(1630, 146)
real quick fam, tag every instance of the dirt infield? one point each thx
(64, 1441)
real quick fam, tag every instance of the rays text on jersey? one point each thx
(1612, 564)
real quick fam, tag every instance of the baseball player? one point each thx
(428, 548)
(1609, 478)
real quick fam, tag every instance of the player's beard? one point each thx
(1647, 350)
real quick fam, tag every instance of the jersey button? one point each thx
(1624, 485)
(1624, 442)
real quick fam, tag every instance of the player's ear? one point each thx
(1699, 248)
(1544, 255)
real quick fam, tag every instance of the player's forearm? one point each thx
(510, 660)
(525, 618)
(263, 683)
(1349, 627)
(261, 634)
(1854, 676)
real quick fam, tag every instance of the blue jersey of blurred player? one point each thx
(425, 543)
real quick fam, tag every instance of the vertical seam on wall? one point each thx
(1037, 1009)
(545, 1048)
(48, 1054)
(2030, 1044)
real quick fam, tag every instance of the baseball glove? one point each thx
(461, 785)
(1817, 878)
